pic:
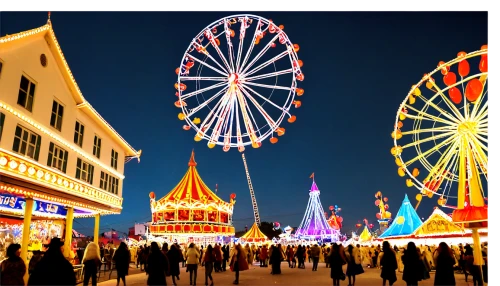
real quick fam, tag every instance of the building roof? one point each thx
(254, 234)
(365, 235)
(405, 222)
(47, 32)
(190, 190)
(437, 224)
(314, 187)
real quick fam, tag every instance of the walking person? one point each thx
(218, 258)
(225, 256)
(91, 263)
(209, 259)
(315, 250)
(389, 264)
(13, 268)
(353, 264)
(444, 261)
(275, 260)
(192, 260)
(121, 257)
(300, 256)
(413, 266)
(336, 262)
(157, 266)
(53, 268)
(237, 262)
(174, 258)
(263, 256)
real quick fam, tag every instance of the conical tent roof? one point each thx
(438, 224)
(365, 235)
(405, 222)
(254, 234)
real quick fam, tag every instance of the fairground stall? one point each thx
(191, 212)
(59, 159)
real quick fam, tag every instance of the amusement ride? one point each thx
(237, 82)
(441, 139)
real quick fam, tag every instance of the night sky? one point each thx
(358, 68)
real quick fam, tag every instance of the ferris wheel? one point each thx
(237, 82)
(441, 133)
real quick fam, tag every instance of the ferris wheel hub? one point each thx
(467, 127)
(233, 78)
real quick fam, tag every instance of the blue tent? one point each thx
(405, 222)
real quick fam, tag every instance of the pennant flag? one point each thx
(312, 176)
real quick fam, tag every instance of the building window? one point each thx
(103, 184)
(26, 93)
(79, 129)
(97, 147)
(57, 115)
(27, 143)
(114, 159)
(109, 183)
(58, 157)
(84, 171)
(2, 120)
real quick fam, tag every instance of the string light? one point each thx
(55, 180)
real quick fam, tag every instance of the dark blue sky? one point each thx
(358, 68)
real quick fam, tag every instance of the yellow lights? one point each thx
(61, 181)
(9, 38)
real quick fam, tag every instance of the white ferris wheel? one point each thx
(237, 82)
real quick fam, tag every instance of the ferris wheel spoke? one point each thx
(264, 98)
(188, 95)
(477, 139)
(479, 149)
(483, 112)
(211, 40)
(230, 51)
(426, 116)
(431, 150)
(257, 128)
(209, 66)
(269, 86)
(252, 45)
(206, 102)
(260, 54)
(211, 78)
(426, 163)
(444, 160)
(228, 132)
(439, 109)
(436, 129)
(266, 116)
(432, 138)
(239, 140)
(267, 75)
(265, 64)
(478, 103)
(207, 122)
(221, 120)
(448, 102)
(246, 119)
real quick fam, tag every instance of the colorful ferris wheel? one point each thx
(441, 133)
(237, 82)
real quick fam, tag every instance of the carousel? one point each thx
(191, 212)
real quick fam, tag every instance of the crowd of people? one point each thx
(163, 263)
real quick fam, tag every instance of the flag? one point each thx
(312, 176)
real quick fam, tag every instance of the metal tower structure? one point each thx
(252, 194)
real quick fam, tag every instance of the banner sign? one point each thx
(8, 201)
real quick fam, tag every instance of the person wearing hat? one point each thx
(53, 268)
(13, 268)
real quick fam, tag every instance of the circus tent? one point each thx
(191, 211)
(365, 235)
(438, 224)
(405, 222)
(254, 234)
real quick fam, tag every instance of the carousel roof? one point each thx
(192, 189)
(254, 234)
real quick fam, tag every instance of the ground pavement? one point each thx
(289, 276)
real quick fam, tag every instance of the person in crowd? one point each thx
(300, 256)
(336, 262)
(208, 260)
(308, 254)
(238, 262)
(444, 261)
(121, 257)
(413, 267)
(290, 256)
(263, 256)
(157, 266)
(218, 258)
(53, 268)
(468, 261)
(192, 261)
(174, 258)
(353, 264)
(389, 264)
(139, 256)
(225, 257)
(37, 255)
(201, 251)
(275, 259)
(314, 254)
(91, 263)
(13, 268)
